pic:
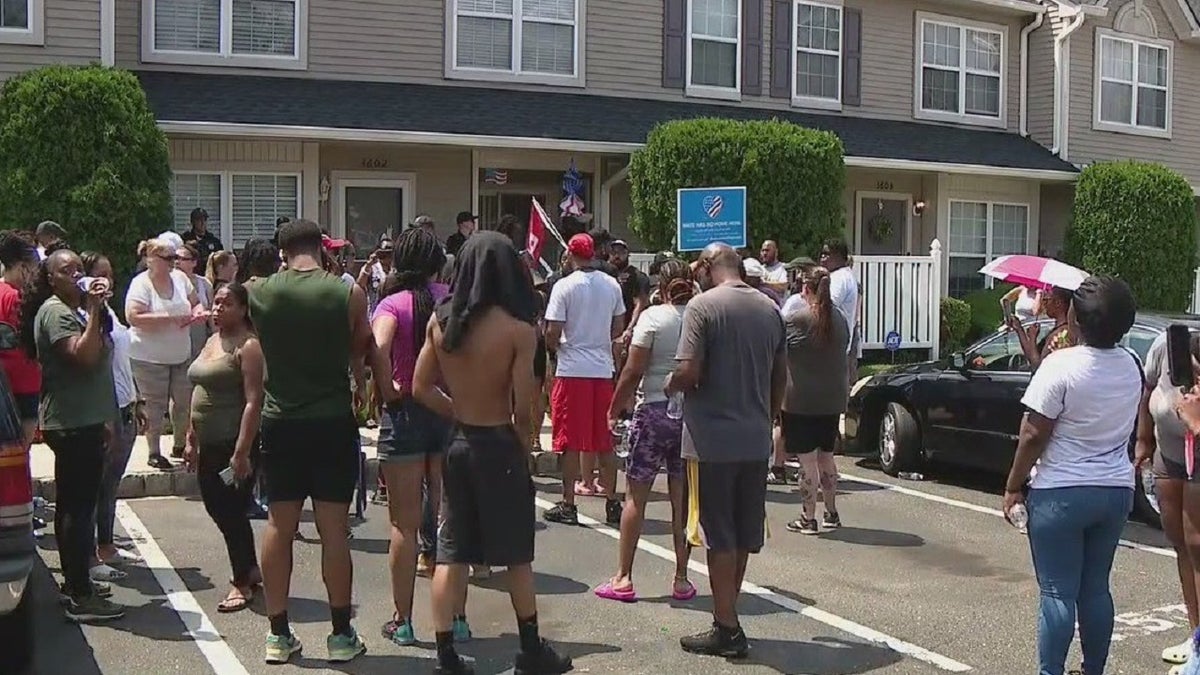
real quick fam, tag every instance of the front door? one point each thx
(883, 224)
(367, 208)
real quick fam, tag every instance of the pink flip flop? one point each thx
(607, 592)
(686, 595)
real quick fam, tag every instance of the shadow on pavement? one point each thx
(495, 655)
(821, 656)
(748, 605)
(546, 584)
(865, 536)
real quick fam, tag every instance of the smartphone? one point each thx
(227, 475)
(1179, 357)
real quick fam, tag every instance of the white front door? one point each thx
(366, 205)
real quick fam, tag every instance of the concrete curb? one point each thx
(180, 483)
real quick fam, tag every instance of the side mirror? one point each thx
(958, 360)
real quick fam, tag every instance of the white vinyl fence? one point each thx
(901, 293)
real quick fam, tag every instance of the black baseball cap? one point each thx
(465, 217)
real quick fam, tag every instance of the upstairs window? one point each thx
(817, 42)
(21, 22)
(1133, 79)
(516, 39)
(714, 48)
(259, 33)
(961, 72)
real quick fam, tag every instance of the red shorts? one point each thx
(579, 414)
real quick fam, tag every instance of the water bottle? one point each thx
(620, 432)
(911, 475)
(675, 406)
(1018, 515)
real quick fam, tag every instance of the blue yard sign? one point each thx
(892, 341)
(709, 215)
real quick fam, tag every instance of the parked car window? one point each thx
(1002, 353)
(1139, 340)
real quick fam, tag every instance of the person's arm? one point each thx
(617, 328)
(555, 316)
(81, 348)
(1044, 403)
(361, 342)
(525, 385)
(365, 272)
(1009, 298)
(636, 362)
(253, 367)
(137, 307)
(427, 372)
(690, 354)
(383, 330)
(640, 302)
(1146, 444)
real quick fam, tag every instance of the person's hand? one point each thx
(190, 452)
(1188, 410)
(140, 418)
(240, 463)
(109, 437)
(613, 417)
(1143, 453)
(1011, 499)
(1031, 331)
(97, 295)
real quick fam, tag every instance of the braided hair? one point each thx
(675, 282)
(260, 258)
(418, 257)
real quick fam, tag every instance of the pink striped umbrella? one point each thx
(1034, 272)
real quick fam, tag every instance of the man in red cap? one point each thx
(585, 313)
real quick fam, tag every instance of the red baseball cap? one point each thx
(582, 246)
(331, 244)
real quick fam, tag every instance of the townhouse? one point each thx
(963, 120)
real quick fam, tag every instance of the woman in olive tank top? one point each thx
(226, 411)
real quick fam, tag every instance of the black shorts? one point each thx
(315, 458)
(487, 499)
(27, 406)
(803, 434)
(733, 504)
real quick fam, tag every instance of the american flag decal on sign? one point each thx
(495, 176)
(713, 205)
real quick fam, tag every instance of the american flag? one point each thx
(495, 176)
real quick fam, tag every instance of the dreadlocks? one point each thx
(260, 258)
(416, 260)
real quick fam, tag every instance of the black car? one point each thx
(966, 410)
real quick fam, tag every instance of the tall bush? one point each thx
(80, 146)
(1137, 221)
(793, 176)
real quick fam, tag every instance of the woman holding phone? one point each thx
(226, 412)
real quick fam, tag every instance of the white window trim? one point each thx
(920, 112)
(226, 177)
(454, 72)
(988, 254)
(818, 102)
(1099, 124)
(706, 91)
(225, 57)
(35, 33)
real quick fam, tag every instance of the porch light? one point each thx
(323, 188)
(919, 208)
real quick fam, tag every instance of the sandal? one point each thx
(688, 592)
(233, 603)
(122, 557)
(583, 489)
(607, 592)
(159, 462)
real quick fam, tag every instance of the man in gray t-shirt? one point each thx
(733, 371)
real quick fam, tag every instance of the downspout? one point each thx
(1025, 33)
(108, 32)
(606, 196)
(1060, 121)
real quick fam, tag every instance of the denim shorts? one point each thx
(416, 432)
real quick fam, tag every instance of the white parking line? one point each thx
(218, 654)
(967, 506)
(821, 616)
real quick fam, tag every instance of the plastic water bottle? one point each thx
(620, 432)
(911, 475)
(1018, 515)
(675, 406)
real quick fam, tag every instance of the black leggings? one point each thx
(78, 465)
(228, 506)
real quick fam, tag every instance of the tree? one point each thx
(794, 179)
(1137, 221)
(80, 146)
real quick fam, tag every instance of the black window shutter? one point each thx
(851, 56)
(674, 46)
(781, 48)
(752, 47)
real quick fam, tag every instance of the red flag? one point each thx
(538, 225)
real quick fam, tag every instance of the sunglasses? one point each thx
(184, 258)
(171, 257)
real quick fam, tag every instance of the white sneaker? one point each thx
(104, 572)
(124, 556)
(1178, 653)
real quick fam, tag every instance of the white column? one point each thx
(310, 183)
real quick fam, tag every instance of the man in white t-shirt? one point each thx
(775, 274)
(585, 313)
(843, 290)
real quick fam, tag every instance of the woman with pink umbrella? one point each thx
(1058, 281)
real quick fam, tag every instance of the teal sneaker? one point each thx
(399, 632)
(344, 648)
(280, 648)
(461, 630)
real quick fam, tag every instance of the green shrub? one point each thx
(1136, 221)
(986, 315)
(80, 146)
(956, 323)
(794, 179)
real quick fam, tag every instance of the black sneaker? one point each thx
(612, 512)
(159, 462)
(563, 513)
(39, 523)
(831, 520)
(99, 588)
(93, 608)
(778, 476)
(460, 667)
(717, 641)
(545, 661)
(804, 526)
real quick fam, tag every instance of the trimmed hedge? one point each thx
(80, 146)
(956, 323)
(794, 179)
(1137, 221)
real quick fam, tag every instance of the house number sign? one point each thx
(374, 163)
(884, 185)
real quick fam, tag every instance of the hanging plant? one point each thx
(880, 228)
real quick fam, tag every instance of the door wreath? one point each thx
(880, 228)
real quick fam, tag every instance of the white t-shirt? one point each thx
(794, 303)
(1093, 395)
(657, 329)
(167, 345)
(122, 370)
(585, 303)
(843, 290)
(775, 273)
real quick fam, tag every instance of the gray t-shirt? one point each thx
(818, 383)
(657, 329)
(737, 334)
(1168, 429)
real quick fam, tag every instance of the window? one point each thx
(1133, 85)
(266, 33)
(258, 200)
(196, 191)
(979, 233)
(714, 48)
(21, 22)
(524, 39)
(960, 72)
(817, 42)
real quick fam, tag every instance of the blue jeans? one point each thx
(1073, 535)
(115, 462)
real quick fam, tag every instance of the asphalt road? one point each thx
(924, 577)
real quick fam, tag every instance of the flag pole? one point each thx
(549, 224)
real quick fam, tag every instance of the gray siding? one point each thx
(1087, 145)
(403, 41)
(72, 37)
(1041, 79)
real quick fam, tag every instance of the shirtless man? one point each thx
(481, 343)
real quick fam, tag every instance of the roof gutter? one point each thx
(1025, 32)
(1061, 123)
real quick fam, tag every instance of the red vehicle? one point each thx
(17, 549)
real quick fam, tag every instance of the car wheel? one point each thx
(899, 440)
(17, 628)
(1145, 501)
